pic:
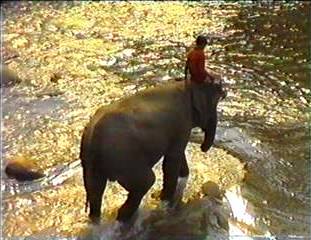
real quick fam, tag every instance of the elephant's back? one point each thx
(139, 120)
(157, 108)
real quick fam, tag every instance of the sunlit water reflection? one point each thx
(263, 122)
(270, 50)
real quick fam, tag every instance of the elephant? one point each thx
(124, 140)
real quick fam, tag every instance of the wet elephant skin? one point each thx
(124, 140)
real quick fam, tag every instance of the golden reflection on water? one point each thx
(60, 210)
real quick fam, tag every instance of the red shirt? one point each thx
(196, 65)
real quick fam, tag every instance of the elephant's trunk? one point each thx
(205, 146)
(209, 133)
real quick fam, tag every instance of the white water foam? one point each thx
(243, 212)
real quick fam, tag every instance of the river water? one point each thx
(263, 55)
(268, 56)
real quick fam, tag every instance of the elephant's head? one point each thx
(205, 98)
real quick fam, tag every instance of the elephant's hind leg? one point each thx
(137, 183)
(95, 184)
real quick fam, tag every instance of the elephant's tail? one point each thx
(86, 203)
(86, 161)
(93, 177)
(87, 188)
(87, 185)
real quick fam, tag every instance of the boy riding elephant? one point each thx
(195, 64)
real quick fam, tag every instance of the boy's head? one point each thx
(201, 41)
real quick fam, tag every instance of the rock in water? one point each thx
(218, 215)
(20, 170)
(8, 77)
(212, 190)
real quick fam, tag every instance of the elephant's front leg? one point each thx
(182, 180)
(171, 171)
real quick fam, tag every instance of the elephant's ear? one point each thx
(202, 104)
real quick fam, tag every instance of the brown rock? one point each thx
(212, 190)
(19, 168)
(8, 77)
(55, 77)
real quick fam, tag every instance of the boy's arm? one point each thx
(213, 74)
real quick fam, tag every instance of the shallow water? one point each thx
(263, 56)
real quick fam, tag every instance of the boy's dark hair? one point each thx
(201, 40)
